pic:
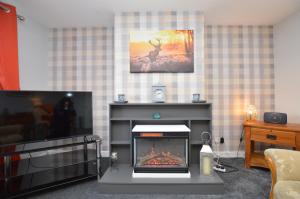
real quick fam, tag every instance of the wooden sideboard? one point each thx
(275, 134)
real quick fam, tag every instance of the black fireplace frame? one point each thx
(162, 135)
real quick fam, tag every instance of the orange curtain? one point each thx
(9, 68)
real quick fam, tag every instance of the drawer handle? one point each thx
(271, 137)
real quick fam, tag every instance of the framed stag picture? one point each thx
(165, 51)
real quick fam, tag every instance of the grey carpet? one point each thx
(243, 184)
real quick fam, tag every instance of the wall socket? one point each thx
(219, 140)
(222, 140)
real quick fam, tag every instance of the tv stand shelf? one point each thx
(43, 172)
(123, 117)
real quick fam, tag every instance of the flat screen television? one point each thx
(31, 116)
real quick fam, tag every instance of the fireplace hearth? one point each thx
(160, 148)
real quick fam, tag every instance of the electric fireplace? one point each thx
(160, 149)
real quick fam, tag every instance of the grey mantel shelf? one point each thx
(165, 119)
(123, 117)
(160, 104)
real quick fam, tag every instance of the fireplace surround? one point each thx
(123, 121)
(124, 117)
(160, 148)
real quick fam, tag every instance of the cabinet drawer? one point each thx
(273, 137)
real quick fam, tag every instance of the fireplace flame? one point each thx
(163, 158)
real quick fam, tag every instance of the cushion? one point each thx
(287, 190)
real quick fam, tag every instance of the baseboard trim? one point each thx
(231, 154)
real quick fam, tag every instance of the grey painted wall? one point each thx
(287, 67)
(33, 51)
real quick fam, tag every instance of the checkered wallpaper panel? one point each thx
(238, 68)
(81, 59)
(239, 71)
(137, 86)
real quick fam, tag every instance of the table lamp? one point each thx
(251, 113)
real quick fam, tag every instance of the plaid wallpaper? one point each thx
(81, 59)
(238, 68)
(239, 71)
(137, 86)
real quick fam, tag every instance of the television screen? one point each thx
(30, 116)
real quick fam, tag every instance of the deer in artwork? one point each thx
(154, 53)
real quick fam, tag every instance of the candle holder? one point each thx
(114, 158)
(121, 98)
(196, 98)
(206, 161)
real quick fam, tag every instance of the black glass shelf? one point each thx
(48, 162)
(37, 173)
(32, 150)
(28, 183)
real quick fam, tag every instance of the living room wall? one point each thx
(237, 69)
(287, 62)
(81, 59)
(137, 86)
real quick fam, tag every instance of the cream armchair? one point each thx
(285, 169)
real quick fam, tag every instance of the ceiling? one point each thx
(70, 13)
